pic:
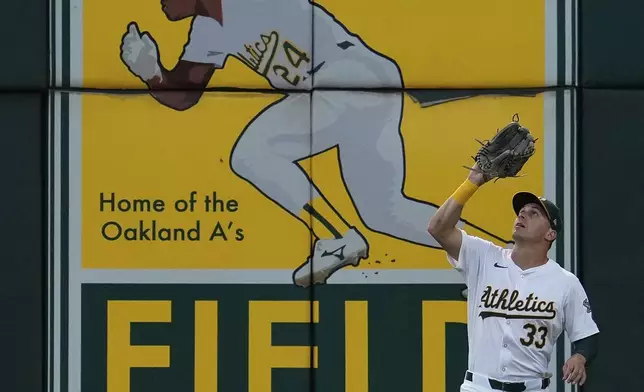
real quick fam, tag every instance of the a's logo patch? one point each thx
(587, 305)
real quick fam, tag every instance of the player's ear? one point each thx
(551, 235)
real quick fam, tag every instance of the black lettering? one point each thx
(260, 49)
(528, 301)
(542, 342)
(141, 205)
(240, 234)
(249, 62)
(283, 72)
(509, 301)
(519, 305)
(194, 234)
(112, 231)
(493, 299)
(214, 204)
(513, 298)
(551, 309)
(218, 231)
(530, 337)
(164, 234)
(503, 303)
(251, 51)
(533, 302)
(109, 201)
(143, 232)
(181, 205)
(125, 205)
(114, 225)
(532, 331)
(486, 296)
(130, 234)
(294, 55)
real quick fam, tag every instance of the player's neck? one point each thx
(210, 8)
(526, 256)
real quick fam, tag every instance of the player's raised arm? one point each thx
(442, 226)
(179, 88)
(502, 156)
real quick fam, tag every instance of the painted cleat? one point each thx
(331, 255)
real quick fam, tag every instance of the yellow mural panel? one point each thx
(147, 168)
(285, 44)
(135, 148)
(450, 44)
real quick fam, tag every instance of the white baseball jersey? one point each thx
(515, 316)
(275, 39)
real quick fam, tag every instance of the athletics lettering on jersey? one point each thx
(260, 54)
(260, 57)
(531, 307)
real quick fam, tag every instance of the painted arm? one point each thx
(182, 87)
(179, 88)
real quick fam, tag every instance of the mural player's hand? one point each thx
(140, 53)
(477, 177)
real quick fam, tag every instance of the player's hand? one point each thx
(140, 54)
(574, 370)
(477, 177)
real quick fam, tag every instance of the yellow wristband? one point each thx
(464, 192)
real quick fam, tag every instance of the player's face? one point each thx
(532, 224)
(178, 9)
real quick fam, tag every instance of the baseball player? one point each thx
(274, 38)
(520, 300)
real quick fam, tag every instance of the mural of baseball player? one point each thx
(365, 127)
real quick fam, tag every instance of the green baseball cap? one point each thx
(554, 216)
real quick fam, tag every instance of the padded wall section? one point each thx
(24, 43)
(206, 337)
(609, 33)
(610, 220)
(22, 209)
